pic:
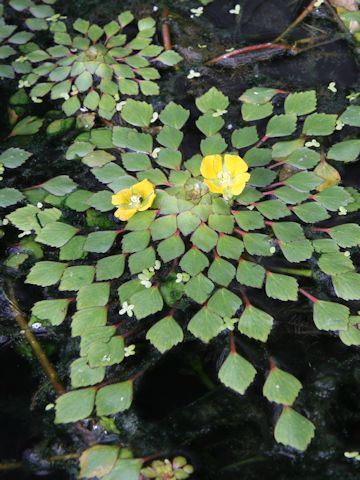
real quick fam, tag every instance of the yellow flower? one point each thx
(227, 176)
(137, 198)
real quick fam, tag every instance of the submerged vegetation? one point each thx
(141, 238)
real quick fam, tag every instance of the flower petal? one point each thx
(213, 187)
(122, 197)
(211, 165)
(144, 189)
(147, 203)
(235, 164)
(125, 213)
(239, 186)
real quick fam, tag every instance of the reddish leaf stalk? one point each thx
(308, 295)
(249, 49)
(165, 28)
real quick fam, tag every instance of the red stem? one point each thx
(165, 28)
(308, 295)
(251, 48)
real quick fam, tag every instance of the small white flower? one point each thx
(39, 205)
(36, 100)
(230, 126)
(351, 454)
(154, 117)
(120, 105)
(312, 143)
(23, 234)
(197, 12)
(342, 211)
(155, 8)
(73, 50)
(83, 109)
(126, 308)
(49, 406)
(202, 45)
(155, 152)
(146, 283)
(193, 74)
(231, 49)
(353, 96)
(130, 350)
(219, 113)
(235, 10)
(178, 278)
(157, 265)
(5, 221)
(332, 87)
(339, 125)
(346, 253)
(272, 249)
(36, 326)
(319, 3)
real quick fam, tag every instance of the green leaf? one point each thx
(347, 285)
(165, 334)
(204, 238)
(351, 116)
(128, 138)
(248, 220)
(311, 212)
(137, 113)
(102, 354)
(59, 186)
(56, 234)
(319, 124)
(209, 125)
(71, 106)
(27, 126)
(255, 323)
(88, 318)
(294, 430)
(45, 274)
(14, 157)
(224, 303)
(76, 277)
(273, 209)
(261, 177)
(94, 295)
(281, 125)
(169, 57)
(171, 248)
(135, 241)
(346, 151)
(351, 336)
(251, 112)
(333, 197)
(194, 262)
(335, 263)
(187, 222)
(53, 311)
(304, 158)
(78, 200)
(330, 316)
(212, 100)
(83, 376)
(258, 157)
(101, 200)
(250, 274)
(297, 251)
(258, 95)
(114, 398)
(346, 235)
(213, 145)
(281, 150)
(205, 324)
(229, 247)
(303, 181)
(100, 242)
(75, 405)
(147, 302)
(125, 469)
(98, 460)
(237, 373)
(243, 137)
(281, 387)
(257, 244)
(174, 115)
(221, 271)
(163, 227)
(281, 287)
(141, 260)
(199, 288)
(301, 103)
(10, 196)
(108, 268)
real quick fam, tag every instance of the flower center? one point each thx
(135, 201)
(224, 178)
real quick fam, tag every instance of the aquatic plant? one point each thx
(94, 68)
(195, 258)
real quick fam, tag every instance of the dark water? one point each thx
(179, 406)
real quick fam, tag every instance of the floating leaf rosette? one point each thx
(96, 66)
(214, 230)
